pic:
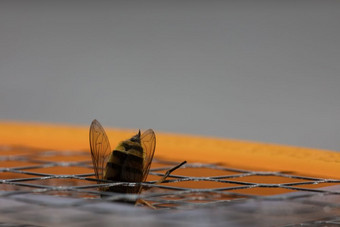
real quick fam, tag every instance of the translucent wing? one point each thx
(100, 148)
(148, 141)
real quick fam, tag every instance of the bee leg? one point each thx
(169, 172)
(144, 202)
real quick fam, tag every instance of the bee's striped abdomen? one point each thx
(124, 160)
(126, 165)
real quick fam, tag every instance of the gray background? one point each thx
(256, 70)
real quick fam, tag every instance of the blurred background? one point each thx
(266, 71)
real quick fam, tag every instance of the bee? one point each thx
(130, 161)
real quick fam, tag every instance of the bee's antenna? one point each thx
(136, 138)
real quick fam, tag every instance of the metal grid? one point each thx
(47, 181)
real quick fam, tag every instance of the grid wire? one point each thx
(33, 176)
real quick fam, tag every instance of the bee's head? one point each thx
(136, 138)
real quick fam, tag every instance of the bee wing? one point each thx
(100, 148)
(148, 141)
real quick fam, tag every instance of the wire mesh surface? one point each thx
(50, 188)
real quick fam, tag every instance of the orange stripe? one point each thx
(240, 154)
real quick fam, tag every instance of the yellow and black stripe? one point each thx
(125, 164)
